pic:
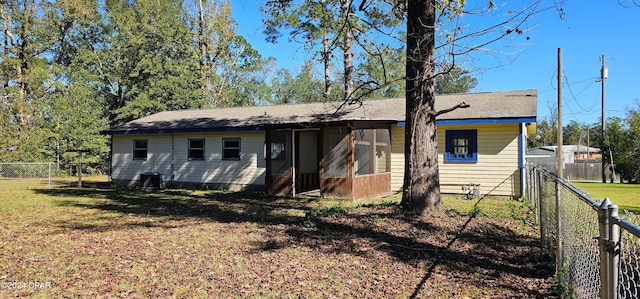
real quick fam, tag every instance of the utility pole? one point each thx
(603, 75)
(559, 132)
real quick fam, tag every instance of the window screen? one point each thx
(278, 147)
(335, 154)
(372, 151)
(364, 163)
(383, 150)
(280, 152)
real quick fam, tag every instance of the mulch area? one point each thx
(455, 256)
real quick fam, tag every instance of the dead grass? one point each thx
(104, 242)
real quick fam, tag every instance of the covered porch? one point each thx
(349, 160)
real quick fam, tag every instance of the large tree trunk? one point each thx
(203, 46)
(327, 66)
(348, 51)
(326, 53)
(421, 192)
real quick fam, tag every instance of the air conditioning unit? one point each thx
(151, 181)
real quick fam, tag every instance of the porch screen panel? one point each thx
(364, 162)
(383, 150)
(335, 152)
(308, 155)
(280, 153)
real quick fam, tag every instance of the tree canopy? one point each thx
(454, 79)
(70, 69)
(73, 68)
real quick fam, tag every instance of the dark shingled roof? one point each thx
(482, 106)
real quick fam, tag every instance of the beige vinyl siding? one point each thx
(381, 162)
(496, 170)
(165, 148)
(185, 170)
(126, 169)
(397, 158)
(249, 170)
(162, 157)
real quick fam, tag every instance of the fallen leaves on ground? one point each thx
(212, 246)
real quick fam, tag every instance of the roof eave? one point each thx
(483, 121)
(187, 130)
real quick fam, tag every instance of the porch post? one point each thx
(293, 162)
(268, 180)
(351, 158)
(321, 161)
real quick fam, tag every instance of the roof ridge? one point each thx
(519, 104)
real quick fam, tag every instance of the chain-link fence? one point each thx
(629, 274)
(597, 252)
(38, 171)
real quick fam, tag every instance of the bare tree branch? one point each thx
(635, 3)
(459, 106)
(377, 87)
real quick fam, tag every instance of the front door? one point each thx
(306, 170)
(279, 162)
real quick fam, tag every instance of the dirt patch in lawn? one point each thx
(122, 243)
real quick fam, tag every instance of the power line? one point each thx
(574, 96)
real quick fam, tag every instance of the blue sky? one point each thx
(588, 30)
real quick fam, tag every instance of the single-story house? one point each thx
(353, 151)
(570, 154)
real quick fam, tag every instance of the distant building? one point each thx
(571, 154)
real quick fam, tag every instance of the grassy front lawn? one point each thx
(104, 242)
(626, 196)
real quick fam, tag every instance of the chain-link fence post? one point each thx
(534, 194)
(542, 217)
(613, 250)
(559, 253)
(527, 183)
(534, 186)
(604, 223)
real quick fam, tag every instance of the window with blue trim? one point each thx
(462, 146)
